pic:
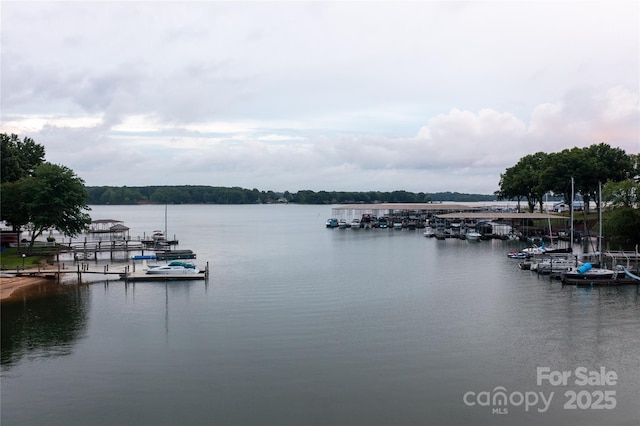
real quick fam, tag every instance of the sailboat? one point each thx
(586, 274)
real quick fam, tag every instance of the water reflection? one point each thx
(45, 326)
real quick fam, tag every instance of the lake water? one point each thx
(303, 325)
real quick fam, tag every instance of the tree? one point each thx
(510, 186)
(14, 210)
(55, 197)
(622, 223)
(18, 158)
(524, 180)
(604, 164)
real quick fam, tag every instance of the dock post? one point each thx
(79, 275)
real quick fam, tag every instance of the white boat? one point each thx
(534, 249)
(429, 232)
(473, 235)
(588, 273)
(355, 224)
(555, 264)
(84, 256)
(174, 268)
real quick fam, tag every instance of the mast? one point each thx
(571, 209)
(600, 222)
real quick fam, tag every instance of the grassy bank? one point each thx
(11, 259)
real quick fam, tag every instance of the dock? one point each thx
(125, 274)
(142, 276)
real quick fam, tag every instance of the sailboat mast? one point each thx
(571, 209)
(600, 222)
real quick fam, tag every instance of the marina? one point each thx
(444, 221)
(551, 249)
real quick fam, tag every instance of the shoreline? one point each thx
(11, 286)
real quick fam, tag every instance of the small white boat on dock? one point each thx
(174, 268)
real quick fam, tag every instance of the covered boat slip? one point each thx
(557, 226)
(418, 213)
(444, 216)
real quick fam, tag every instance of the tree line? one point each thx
(536, 175)
(598, 173)
(38, 195)
(198, 194)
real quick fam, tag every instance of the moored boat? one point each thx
(473, 235)
(332, 223)
(174, 268)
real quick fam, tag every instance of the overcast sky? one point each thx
(423, 96)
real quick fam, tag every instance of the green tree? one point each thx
(622, 224)
(511, 187)
(604, 164)
(14, 209)
(55, 197)
(18, 158)
(524, 180)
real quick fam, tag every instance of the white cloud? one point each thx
(422, 96)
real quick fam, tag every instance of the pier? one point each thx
(126, 273)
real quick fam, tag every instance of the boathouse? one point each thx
(115, 229)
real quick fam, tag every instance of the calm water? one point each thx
(302, 325)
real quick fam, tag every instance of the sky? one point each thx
(421, 96)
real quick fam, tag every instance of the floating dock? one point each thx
(140, 276)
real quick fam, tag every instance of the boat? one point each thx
(473, 235)
(84, 256)
(518, 255)
(534, 249)
(174, 268)
(429, 232)
(542, 249)
(554, 265)
(382, 223)
(355, 224)
(588, 272)
(332, 223)
(342, 224)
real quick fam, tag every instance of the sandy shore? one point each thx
(9, 285)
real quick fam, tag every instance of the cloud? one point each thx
(422, 96)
